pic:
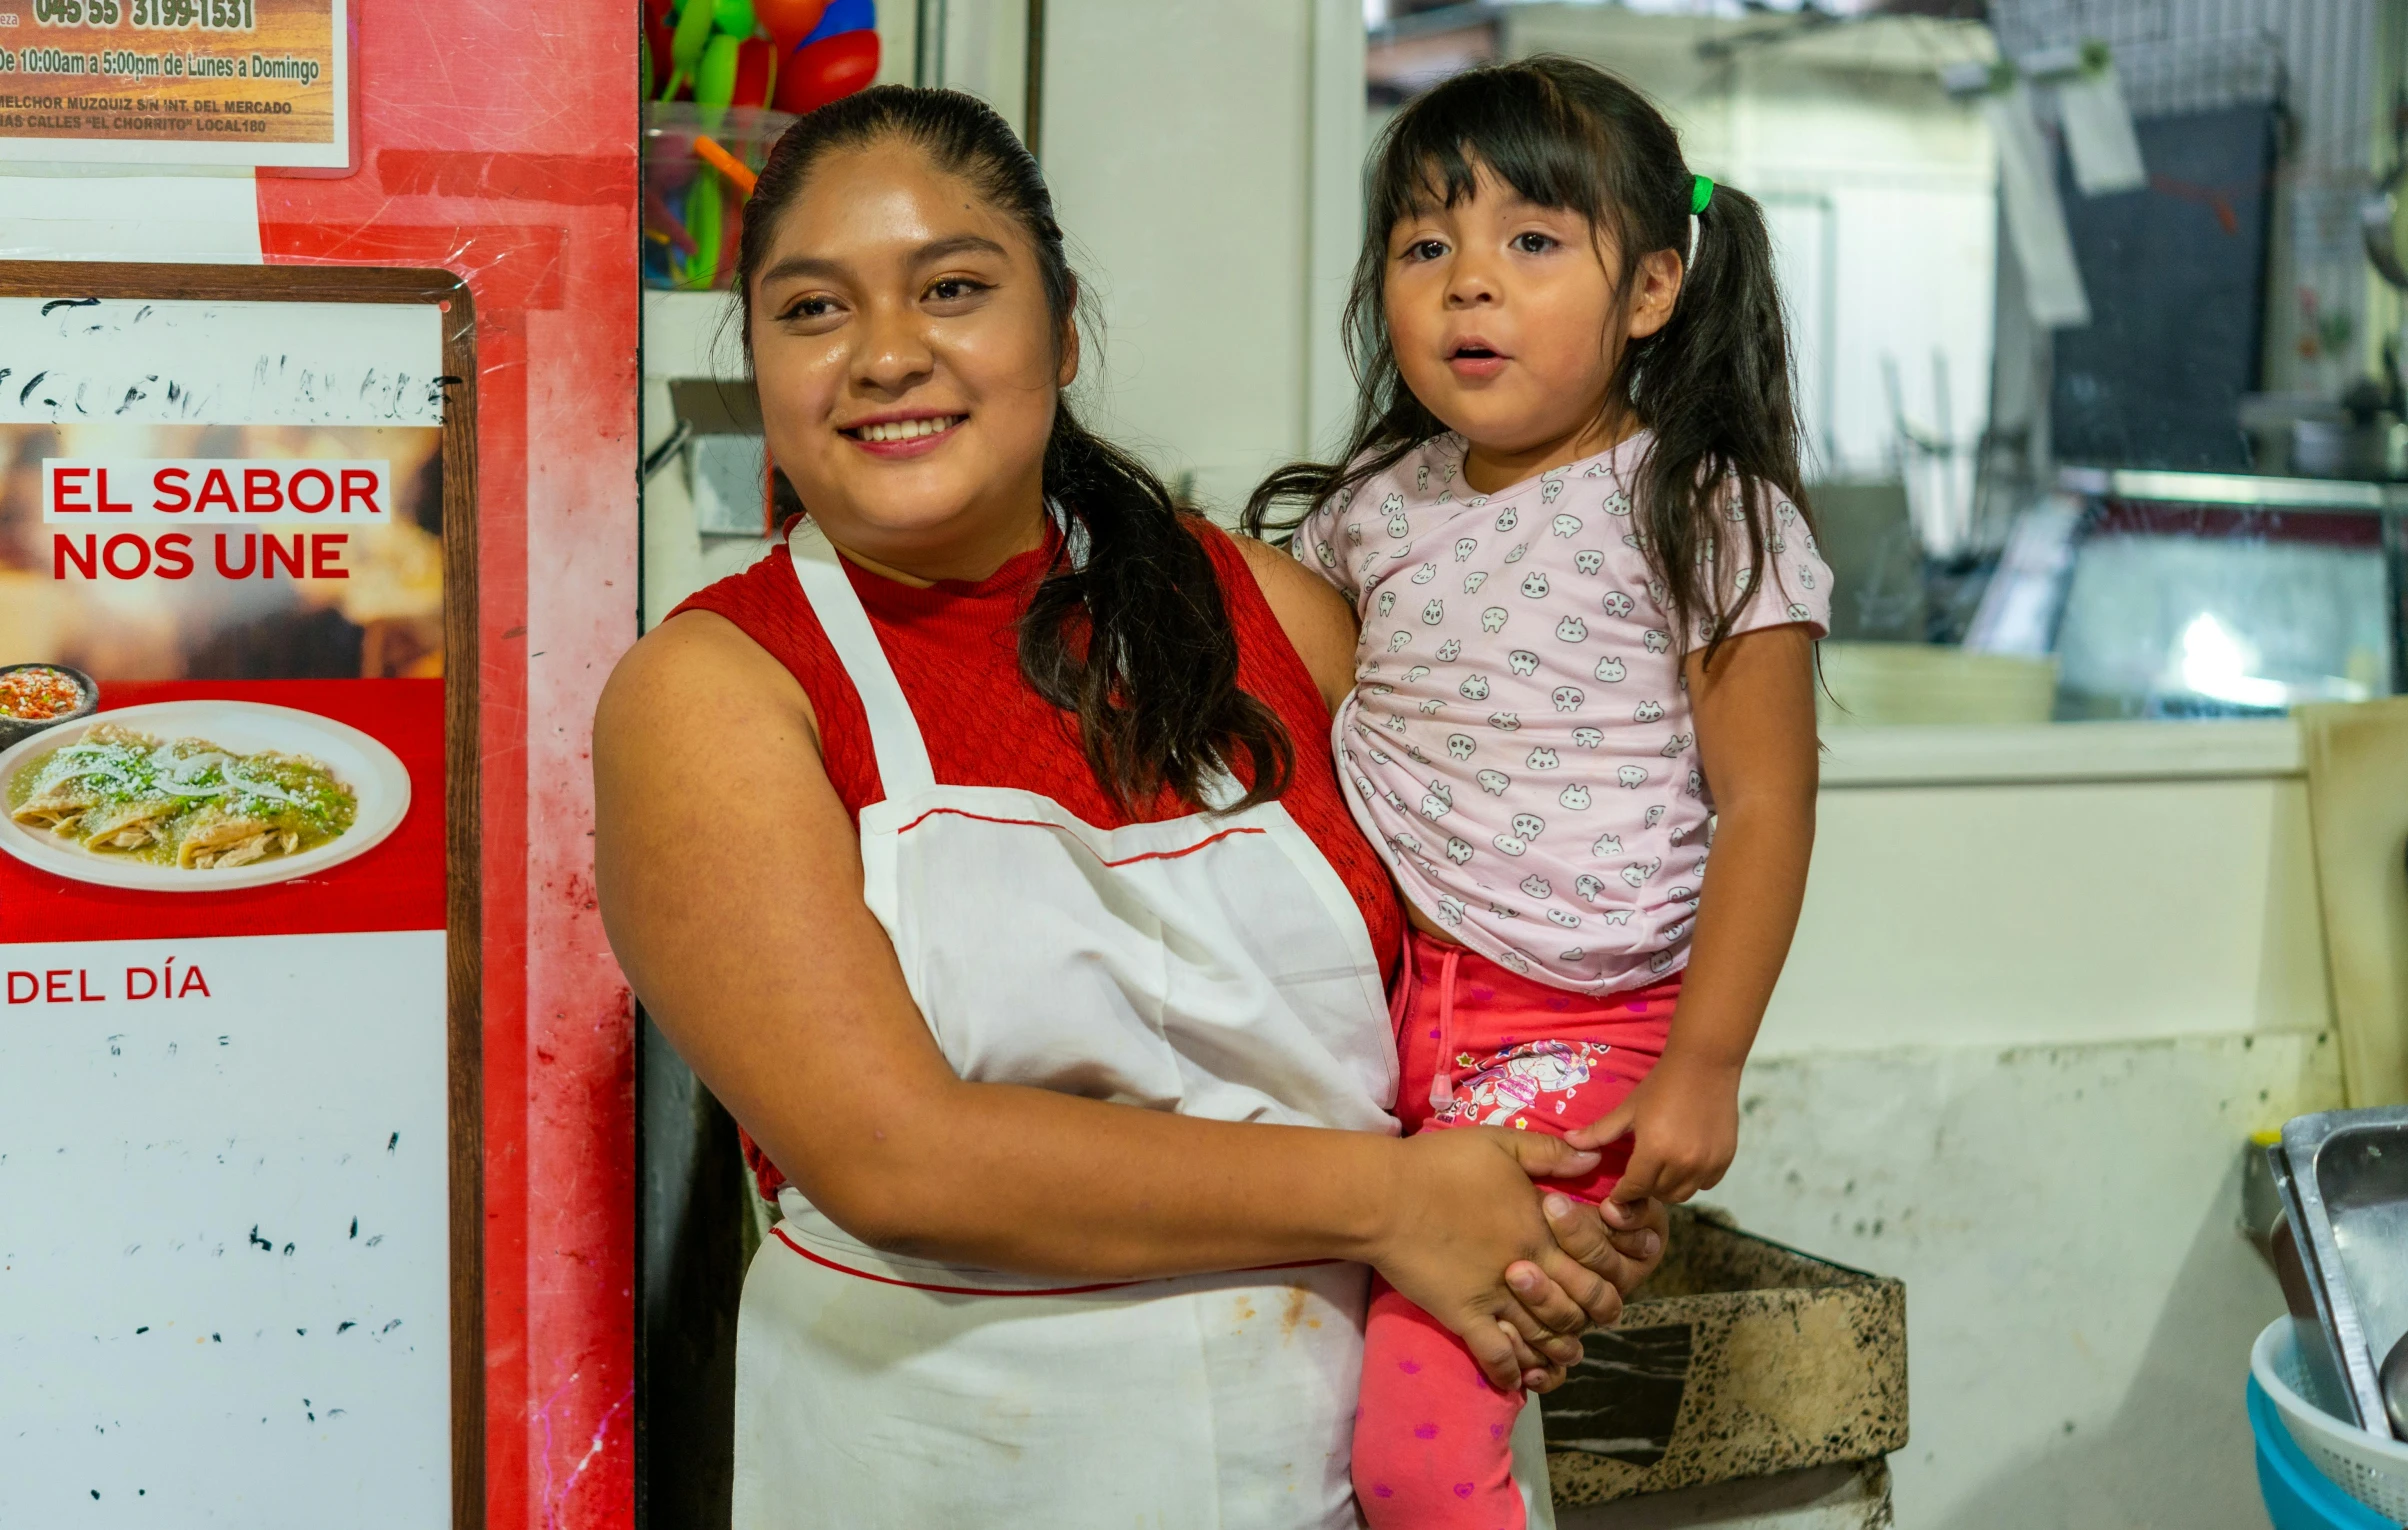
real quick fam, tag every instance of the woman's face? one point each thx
(908, 364)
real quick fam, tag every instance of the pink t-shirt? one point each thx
(1519, 737)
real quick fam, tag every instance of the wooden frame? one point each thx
(463, 822)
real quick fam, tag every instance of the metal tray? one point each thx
(2348, 1179)
(2321, 1380)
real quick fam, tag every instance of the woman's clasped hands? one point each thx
(1521, 1274)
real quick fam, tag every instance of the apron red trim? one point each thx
(888, 1280)
(1039, 823)
(914, 1285)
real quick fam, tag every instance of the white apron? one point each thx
(1212, 965)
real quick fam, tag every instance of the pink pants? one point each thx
(1480, 1046)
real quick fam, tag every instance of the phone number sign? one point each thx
(176, 82)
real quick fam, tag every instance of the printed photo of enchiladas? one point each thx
(183, 802)
(190, 796)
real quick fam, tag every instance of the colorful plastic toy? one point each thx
(732, 60)
(745, 52)
(841, 17)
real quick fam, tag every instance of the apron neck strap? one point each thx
(1074, 532)
(895, 740)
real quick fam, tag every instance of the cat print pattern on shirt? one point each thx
(1519, 719)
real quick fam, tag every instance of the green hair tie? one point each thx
(1701, 191)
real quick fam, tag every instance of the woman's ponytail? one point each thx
(1130, 633)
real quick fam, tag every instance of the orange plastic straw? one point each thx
(707, 149)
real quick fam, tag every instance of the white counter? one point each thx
(2076, 882)
(2059, 753)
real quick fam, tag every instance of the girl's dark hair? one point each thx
(1713, 385)
(1128, 630)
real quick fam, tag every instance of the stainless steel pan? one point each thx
(2344, 1178)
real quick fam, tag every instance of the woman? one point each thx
(965, 849)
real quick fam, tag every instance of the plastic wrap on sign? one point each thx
(237, 516)
(226, 83)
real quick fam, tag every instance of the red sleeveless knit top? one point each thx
(954, 648)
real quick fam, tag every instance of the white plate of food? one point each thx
(198, 796)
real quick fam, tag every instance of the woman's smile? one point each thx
(895, 437)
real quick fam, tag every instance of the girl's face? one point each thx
(908, 364)
(1507, 324)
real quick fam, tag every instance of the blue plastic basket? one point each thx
(2298, 1496)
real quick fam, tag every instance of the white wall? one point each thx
(2061, 912)
(2079, 1301)
(1179, 138)
(686, 335)
(985, 53)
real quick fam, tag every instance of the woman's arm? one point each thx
(1756, 743)
(730, 883)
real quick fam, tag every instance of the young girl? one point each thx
(1570, 522)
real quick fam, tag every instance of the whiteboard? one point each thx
(255, 1335)
(127, 361)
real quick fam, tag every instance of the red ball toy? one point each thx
(789, 21)
(827, 70)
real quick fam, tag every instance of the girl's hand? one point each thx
(1462, 1210)
(1602, 1254)
(1684, 1123)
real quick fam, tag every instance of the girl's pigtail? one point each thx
(1388, 420)
(1714, 385)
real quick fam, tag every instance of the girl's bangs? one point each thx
(1441, 142)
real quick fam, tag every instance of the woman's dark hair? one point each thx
(1128, 630)
(1713, 385)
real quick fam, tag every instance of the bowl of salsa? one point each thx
(38, 696)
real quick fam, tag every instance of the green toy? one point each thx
(734, 17)
(715, 79)
(687, 42)
(702, 226)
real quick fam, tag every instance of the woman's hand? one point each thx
(1683, 1120)
(1461, 1211)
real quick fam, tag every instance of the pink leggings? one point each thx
(1480, 1046)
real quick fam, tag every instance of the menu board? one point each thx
(176, 82)
(228, 1028)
